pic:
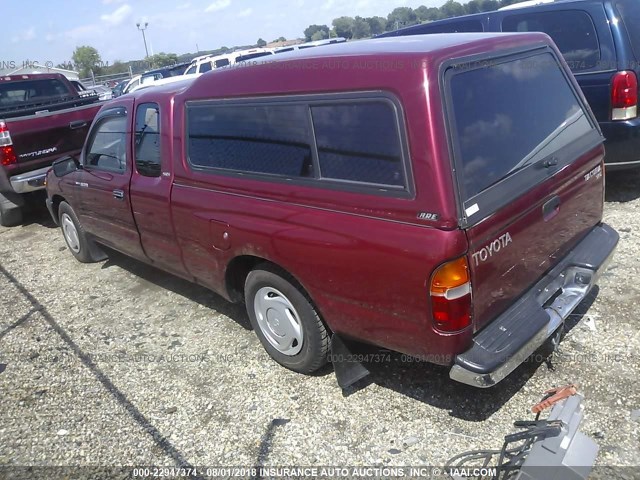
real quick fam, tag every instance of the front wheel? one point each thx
(82, 247)
(285, 321)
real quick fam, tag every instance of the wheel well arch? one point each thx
(56, 200)
(238, 269)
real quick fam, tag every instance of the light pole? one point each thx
(144, 38)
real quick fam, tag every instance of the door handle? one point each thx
(118, 194)
(77, 124)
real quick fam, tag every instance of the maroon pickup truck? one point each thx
(438, 196)
(42, 117)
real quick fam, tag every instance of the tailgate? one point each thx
(528, 158)
(529, 236)
(39, 139)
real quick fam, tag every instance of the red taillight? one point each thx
(7, 155)
(624, 96)
(451, 296)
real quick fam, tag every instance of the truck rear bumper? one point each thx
(29, 181)
(511, 338)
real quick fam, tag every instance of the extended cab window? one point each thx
(107, 147)
(359, 142)
(223, 62)
(147, 140)
(572, 31)
(509, 116)
(270, 139)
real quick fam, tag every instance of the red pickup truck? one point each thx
(42, 117)
(438, 196)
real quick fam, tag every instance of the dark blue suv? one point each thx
(600, 40)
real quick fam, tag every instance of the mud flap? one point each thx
(345, 363)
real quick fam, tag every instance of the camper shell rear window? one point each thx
(508, 118)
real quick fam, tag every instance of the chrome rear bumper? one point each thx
(29, 181)
(511, 338)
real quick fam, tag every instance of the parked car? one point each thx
(42, 117)
(168, 71)
(206, 63)
(452, 213)
(103, 92)
(600, 41)
(138, 80)
(117, 90)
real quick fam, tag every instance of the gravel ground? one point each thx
(117, 363)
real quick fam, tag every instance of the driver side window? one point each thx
(107, 149)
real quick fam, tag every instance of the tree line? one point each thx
(364, 27)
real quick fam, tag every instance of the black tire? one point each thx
(314, 347)
(10, 217)
(83, 248)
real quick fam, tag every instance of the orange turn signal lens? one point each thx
(451, 296)
(452, 274)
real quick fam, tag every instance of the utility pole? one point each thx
(144, 38)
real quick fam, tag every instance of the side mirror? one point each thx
(65, 165)
(77, 162)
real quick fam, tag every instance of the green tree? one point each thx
(452, 9)
(117, 67)
(401, 17)
(261, 42)
(319, 35)
(377, 25)
(426, 14)
(163, 59)
(473, 6)
(343, 26)
(86, 59)
(490, 5)
(311, 29)
(361, 28)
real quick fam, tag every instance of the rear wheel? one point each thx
(285, 321)
(82, 247)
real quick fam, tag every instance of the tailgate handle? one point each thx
(77, 124)
(551, 208)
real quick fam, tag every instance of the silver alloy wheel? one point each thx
(70, 233)
(278, 320)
